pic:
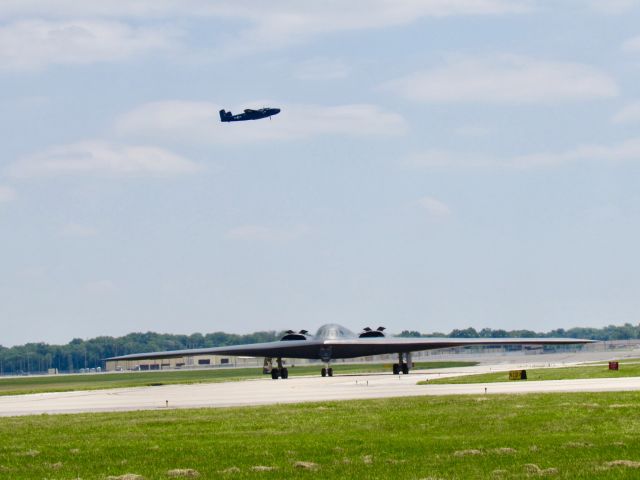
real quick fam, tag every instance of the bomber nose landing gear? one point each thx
(401, 366)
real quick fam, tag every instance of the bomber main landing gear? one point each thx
(402, 366)
(326, 371)
(280, 371)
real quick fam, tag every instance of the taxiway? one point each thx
(293, 390)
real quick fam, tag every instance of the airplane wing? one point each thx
(347, 348)
(248, 110)
(287, 349)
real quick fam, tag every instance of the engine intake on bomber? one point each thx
(291, 335)
(368, 333)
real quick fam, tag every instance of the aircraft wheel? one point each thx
(275, 373)
(396, 369)
(284, 373)
(323, 372)
(405, 368)
(330, 372)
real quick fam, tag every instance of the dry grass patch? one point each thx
(230, 470)
(262, 468)
(306, 465)
(504, 450)
(578, 445)
(368, 459)
(623, 463)
(533, 469)
(28, 453)
(183, 472)
(55, 466)
(465, 453)
(126, 476)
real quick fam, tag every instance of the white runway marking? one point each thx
(292, 390)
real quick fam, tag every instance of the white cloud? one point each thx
(92, 8)
(294, 22)
(7, 194)
(33, 273)
(77, 230)
(613, 7)
(434, 207)
(199, 122)
(100, 287)
(474, 131)
(625, 151)
(622, 152)
(443, 158)
(322, 69)
(505, 79)
(267, 234)
(99, 158)
(361, 12)
(632, 45)
(628, 114)
(34, 44)
(268, 25)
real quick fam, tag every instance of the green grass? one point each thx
(65, 383)
(566, 373)
(563, 436)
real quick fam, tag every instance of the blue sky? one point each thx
(437, 164)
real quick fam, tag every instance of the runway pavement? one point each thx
(292, 390)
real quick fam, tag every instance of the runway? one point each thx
(292, 390)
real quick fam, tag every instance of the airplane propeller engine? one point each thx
(367, 332)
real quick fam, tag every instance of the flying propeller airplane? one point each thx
(248, 114)
(334, 341)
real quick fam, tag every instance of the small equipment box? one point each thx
(613, 365)
(518, 375)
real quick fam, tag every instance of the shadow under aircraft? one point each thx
(333, 341)
(248, 114)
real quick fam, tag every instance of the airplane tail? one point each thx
(224, 115)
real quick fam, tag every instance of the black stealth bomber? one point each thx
(334, 341)
(248, 114)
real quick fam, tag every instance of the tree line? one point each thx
(610, 332)
(79, 353)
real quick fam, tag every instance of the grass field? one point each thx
(65, 383)
(564, 436)
(567, 373)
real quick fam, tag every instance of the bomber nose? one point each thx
(276, 111)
